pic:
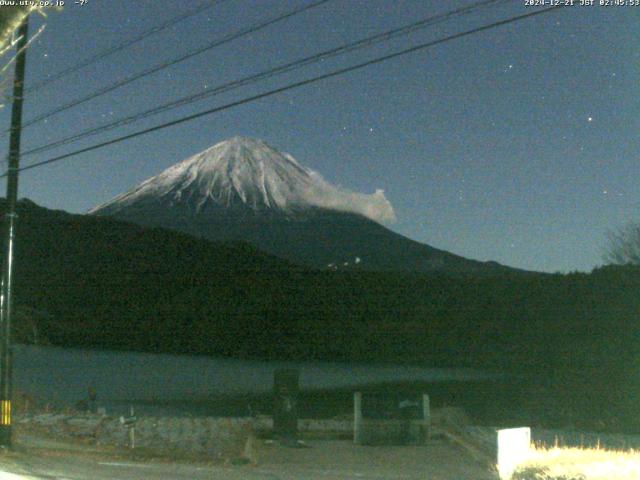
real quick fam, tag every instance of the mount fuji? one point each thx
(243, 189)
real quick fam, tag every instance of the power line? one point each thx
(292, 86)
(288, 67)
(122, 46)
(226, 39)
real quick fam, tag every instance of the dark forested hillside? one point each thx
(97, 282)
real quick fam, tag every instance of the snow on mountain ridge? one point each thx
(250, 172)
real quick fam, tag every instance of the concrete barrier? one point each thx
(212, 437)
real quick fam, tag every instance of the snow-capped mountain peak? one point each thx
(246, 172)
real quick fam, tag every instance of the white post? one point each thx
(513, 449)
(426, 412)
(357, 417)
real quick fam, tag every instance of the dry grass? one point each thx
(562, 463)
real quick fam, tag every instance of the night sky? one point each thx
(518, 144)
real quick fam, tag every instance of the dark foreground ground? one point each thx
(39, 458)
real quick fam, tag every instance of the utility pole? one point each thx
(10, 217)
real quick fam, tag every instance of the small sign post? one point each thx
(357, 418)
(285, 404)
(130, 423)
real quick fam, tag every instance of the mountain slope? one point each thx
(244, 176)
(243, 189)
(100, 282)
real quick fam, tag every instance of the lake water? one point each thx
(62, 376)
